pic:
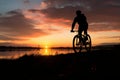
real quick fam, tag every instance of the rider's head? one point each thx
(78, 12)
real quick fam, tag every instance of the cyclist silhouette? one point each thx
(80, 40)
(82, 22)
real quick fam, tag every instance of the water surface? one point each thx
(18, 53)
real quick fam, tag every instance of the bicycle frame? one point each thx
(79, 42)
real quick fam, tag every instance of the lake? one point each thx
(46, 52)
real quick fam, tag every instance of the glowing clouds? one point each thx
(43, 5)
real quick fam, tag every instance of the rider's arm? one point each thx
(73, 24)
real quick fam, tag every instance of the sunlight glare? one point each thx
(46, 47)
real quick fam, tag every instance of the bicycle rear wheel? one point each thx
(77, 44)
(88, 43)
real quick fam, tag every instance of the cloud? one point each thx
(56, 13)
(46, 22)
(26, 1)
(104, 26)
(64, 3)
(15, 12)
(97, 11)
(15, 26)
(7, 43)
(7, 38)
(115, 37)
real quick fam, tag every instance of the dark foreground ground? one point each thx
(100, 64)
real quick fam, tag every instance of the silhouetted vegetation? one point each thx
(96, 65)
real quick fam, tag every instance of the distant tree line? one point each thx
(12, 48)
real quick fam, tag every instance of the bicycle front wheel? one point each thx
(77, 46)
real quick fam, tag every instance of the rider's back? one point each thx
(82, 21)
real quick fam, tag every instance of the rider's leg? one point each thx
(85, 32)
(80, 32)
(80, 35)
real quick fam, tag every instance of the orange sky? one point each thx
(48, 22)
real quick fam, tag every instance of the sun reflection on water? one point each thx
(45, 51)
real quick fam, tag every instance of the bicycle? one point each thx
(80, 42)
